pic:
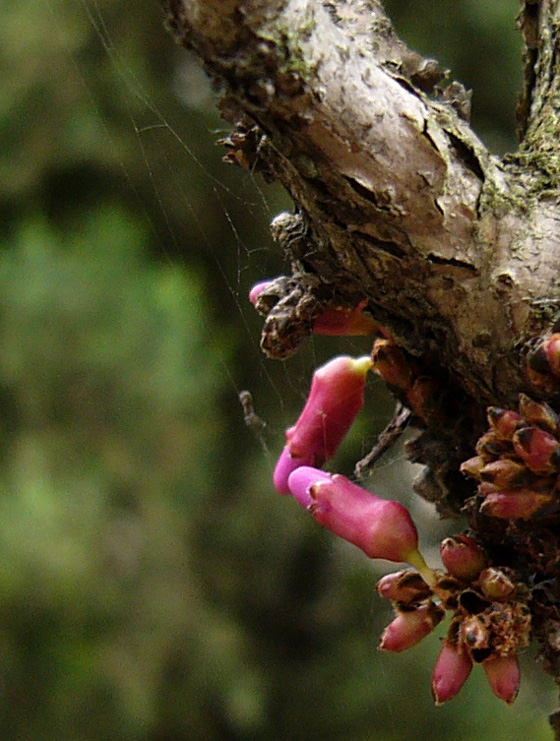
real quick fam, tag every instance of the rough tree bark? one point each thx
(398, 202)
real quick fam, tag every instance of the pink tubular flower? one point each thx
(451, 671)
(503, 675)
(380, 527)
(335, 398)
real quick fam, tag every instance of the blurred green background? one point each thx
(152, 584)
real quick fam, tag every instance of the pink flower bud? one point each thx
(504, 676)
(451, 671)
(257, 289)
(408, 628)
(546, 357)
(552, 351)
(505, 473)
(335, 398)
(380, 527)
(504, 421)
(491, 446)
(546, 383)
(462, 557)
(539, 449)
(473, 466)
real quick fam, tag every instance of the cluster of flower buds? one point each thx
(543, 363)
(490, 618)
(518, 461)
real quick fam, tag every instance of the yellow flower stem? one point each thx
(416, 559)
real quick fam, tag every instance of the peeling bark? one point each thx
(397, 202)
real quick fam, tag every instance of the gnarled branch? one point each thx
(399, 204)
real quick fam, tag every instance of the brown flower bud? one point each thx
(473, 466)
(539, 449)
(471, 602)
(538, 413)
(474, 634)
(491, 446)
(392, 365)
(496, 584)
(448, 588)
(404, 586)
(422, 396)
(506, 473)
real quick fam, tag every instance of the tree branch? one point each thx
(404, 203)
(399, 205)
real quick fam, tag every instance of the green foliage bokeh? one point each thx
(152, 584)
